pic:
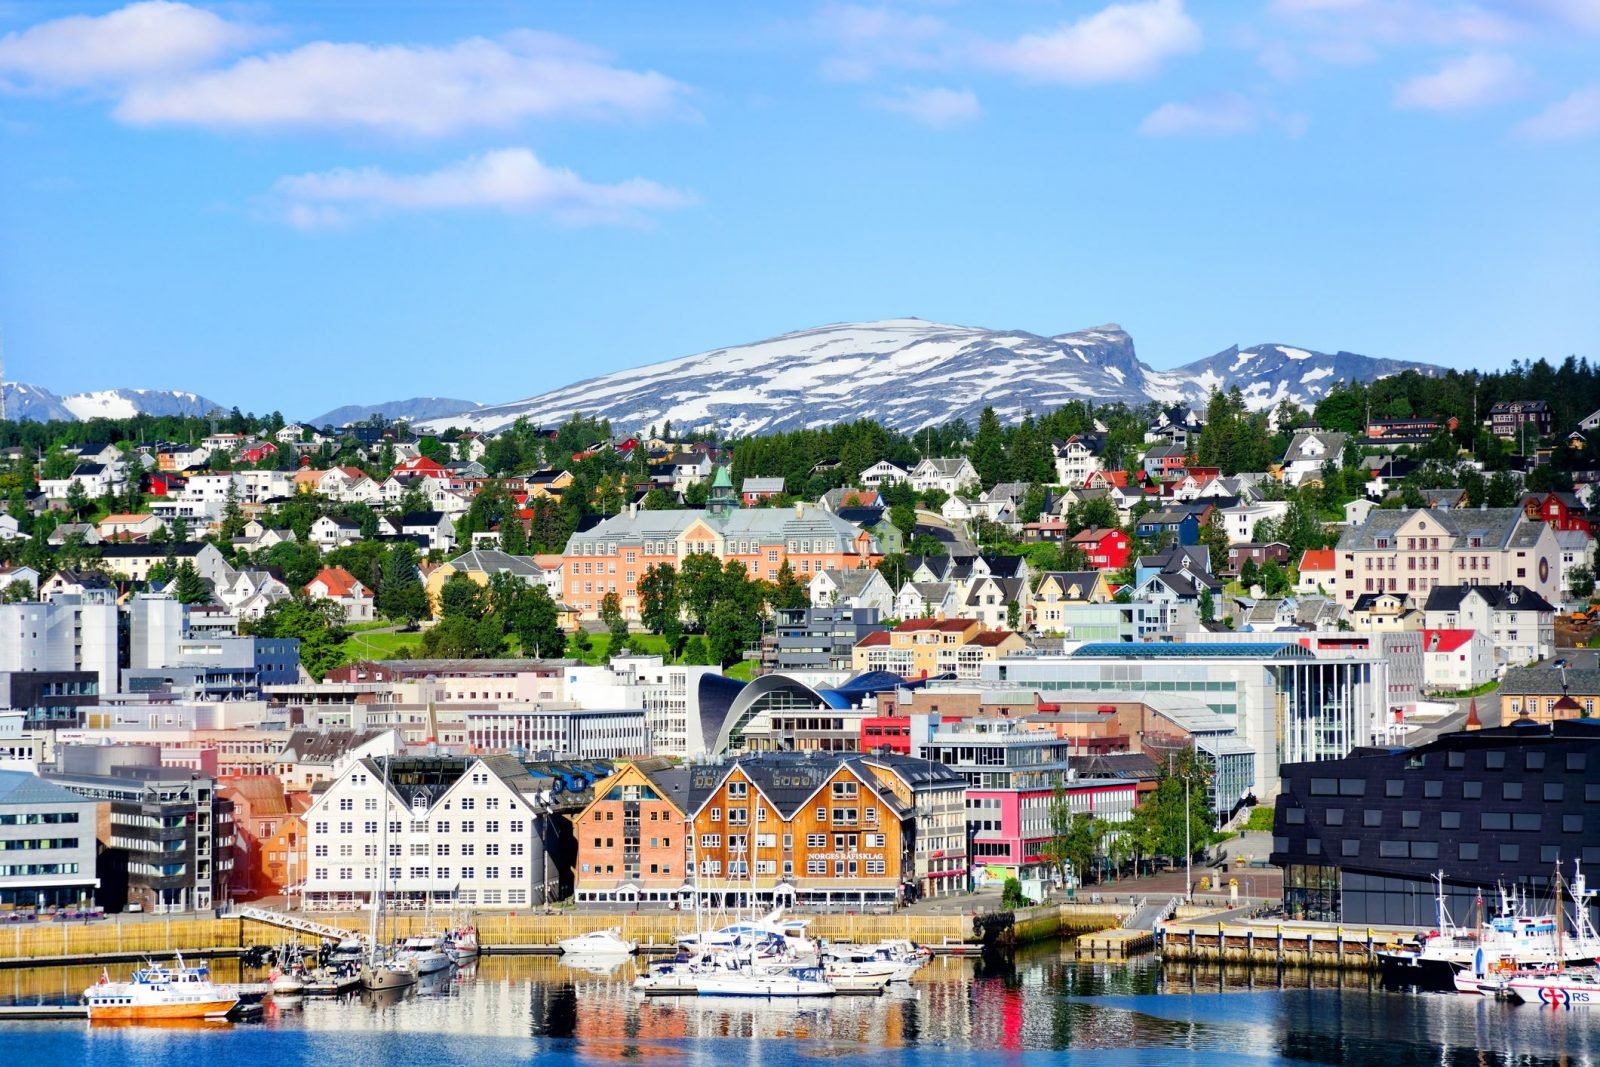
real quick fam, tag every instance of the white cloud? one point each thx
(512, 180)
(1122, 42)
(405, 89)
(1471, 81)
(1219, 116)
(1342, 25)
(1573, 117)
(873, 38)
(143, 40)
(933, 107)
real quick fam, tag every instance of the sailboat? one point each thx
(382, 970)
(779, 975)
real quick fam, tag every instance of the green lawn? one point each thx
(743, 670)
(600, 644)
(361, 646)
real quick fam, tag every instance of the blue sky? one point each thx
(293, 206)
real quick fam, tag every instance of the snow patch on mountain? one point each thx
(36, 404)
(911, 373)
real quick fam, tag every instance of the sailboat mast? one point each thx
(1559, 908)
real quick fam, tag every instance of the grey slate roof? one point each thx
(1498, 597)
(1497, 528)
(490, 561)
(1544, 681)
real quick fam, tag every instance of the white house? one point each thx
(1308, 451)
(1520, 623)
(948, 475)
(881, 473)
(329, 532)
(10, 528)
(927, 600)
(468, 832)
(863, 587)
(1456, 660)
(1576, 551)
(342, 588)
(1239, 521)
(1078, 457)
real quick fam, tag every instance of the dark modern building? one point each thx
(1360, 839)
(49, 699)
(818, 639)
(167, 835)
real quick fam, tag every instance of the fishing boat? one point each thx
(1510, 941)
(1560, 987)
(461, 941)
(598, 943)
(153, 992)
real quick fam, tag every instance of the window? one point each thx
(1410, 820)
(1372, 817)
(1509, 853)
(1494, 820)
(1534, 761)
(716, 814)
(1494, 761)
(1527, 820)
(1394, 787)
(1350, 847)
(1449, 820)
(1554, 791)
(468, 826)
(1511, 790)
(816, 840)
(1467, 850)
(1433, 789)
(1295, 816)
(738, 790)
(1471, 790)
(1572, 824)
(1394, 849)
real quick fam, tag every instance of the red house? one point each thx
(1559, 511)
(418, 465)
(1105, 549)
(259, 453)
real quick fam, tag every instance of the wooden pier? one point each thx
(18, 1012)
(1114, 944)
(1304, 945)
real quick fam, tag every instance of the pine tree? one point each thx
(989, 449)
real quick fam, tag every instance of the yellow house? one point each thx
(480, 565)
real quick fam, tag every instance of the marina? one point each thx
(1039, 998)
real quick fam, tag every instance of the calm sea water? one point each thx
(1041, 1006)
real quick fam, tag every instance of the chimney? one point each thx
(799, 509)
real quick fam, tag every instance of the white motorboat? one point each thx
(426, 954)
(598, 943)
(764, 983)
(901, 959)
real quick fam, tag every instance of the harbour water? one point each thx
(1041, 1005)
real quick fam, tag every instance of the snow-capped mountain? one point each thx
(418, 407)
(33, 403)
(909, 373)
(1270, 374)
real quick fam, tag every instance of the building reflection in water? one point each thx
(1042, 998)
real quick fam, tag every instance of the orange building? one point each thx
(929, 648)
(266, 822)
(633, 837)
(616, 553)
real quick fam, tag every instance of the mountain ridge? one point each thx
(911, 373)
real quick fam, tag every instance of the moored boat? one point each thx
(763, 983)
(598, 943)
(153, 992)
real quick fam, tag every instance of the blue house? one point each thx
(1182, 524)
